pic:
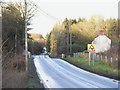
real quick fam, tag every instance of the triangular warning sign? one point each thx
(91, 47)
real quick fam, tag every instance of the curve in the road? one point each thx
(57, 73)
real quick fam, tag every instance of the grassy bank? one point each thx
(13, 73)
(14, 79)
(101, 68)
(33, 80)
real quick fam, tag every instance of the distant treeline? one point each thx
(73, 35)
(36, 43)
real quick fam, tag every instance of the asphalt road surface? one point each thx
(56, 73)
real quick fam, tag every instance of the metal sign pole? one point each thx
(93, 58)
(89, 58)
(91, 50)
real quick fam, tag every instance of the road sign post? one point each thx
(91, 50)
(89, 58)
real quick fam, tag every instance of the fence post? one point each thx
(106, 59)
(98, 57)
(101, 58)
(83, 53)
(111, 60)
(78, 54)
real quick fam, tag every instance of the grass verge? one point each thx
(33, 80)
(99, 67)
(13, 77)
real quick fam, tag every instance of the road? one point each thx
(56, 73)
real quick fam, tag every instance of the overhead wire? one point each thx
(47, 14)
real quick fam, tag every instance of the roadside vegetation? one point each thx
(14, 74)
(73, 35)
(99, 67)
(36, 44)
(69, 37)
(33, 80)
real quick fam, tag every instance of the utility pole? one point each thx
(67, 40)
(0, 47)
(70, 40)
(67, 34)
(26, 44)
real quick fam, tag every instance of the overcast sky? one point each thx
(55, 11)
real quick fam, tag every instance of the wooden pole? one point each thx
(1, 48)
(26, 44)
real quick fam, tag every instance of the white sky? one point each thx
(74, 9)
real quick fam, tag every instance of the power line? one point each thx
(40, 9)
(49, 15)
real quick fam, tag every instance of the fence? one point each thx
(98, 57)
